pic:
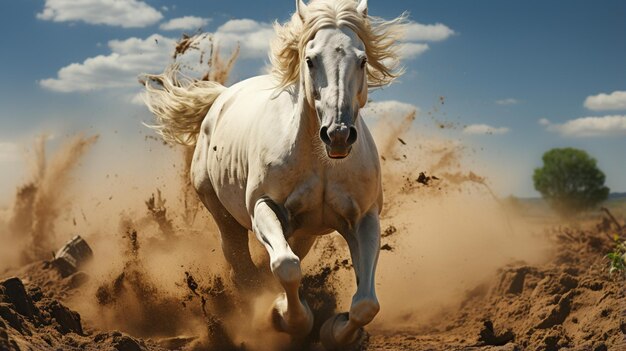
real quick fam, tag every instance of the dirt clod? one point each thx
(488, 335)
(68, 320)
(424, 179)
(390, 230)
(558, 312)
(386, 247)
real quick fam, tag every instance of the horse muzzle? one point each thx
(338, 139)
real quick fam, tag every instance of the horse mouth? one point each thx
(338, 152)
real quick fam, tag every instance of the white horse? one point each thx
(288, 157)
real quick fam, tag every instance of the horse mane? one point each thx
(380, 37)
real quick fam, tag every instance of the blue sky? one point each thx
(519, 77)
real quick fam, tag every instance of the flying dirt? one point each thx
(459, 268)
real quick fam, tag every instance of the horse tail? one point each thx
(179, 104)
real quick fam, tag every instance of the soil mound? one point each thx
(31, 319)
(569, 303)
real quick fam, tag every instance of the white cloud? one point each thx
(185, 23)
(8, 151)
(133, 56)
(427, 32)
(122, 13)
(252, 37)
(589, 126)
(475, 129)
(507, 101)
(119, 69)
(613, 101)
(416, 33)
(410, 51)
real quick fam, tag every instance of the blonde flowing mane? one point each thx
(380, 37)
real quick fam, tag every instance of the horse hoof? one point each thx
(327, 334)
(296, 326)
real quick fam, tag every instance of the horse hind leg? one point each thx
(234, 237)
(234, 242)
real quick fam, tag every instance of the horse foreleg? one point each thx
(291, 313)
(343, 329)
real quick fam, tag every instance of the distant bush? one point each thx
(570, 181)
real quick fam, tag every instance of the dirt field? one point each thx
(569, 302)
(495, 282)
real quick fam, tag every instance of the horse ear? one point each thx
(362, 8)
(300, 9)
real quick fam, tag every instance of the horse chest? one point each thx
(320, 204)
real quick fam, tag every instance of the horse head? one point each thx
(336, 52)
(334, 77)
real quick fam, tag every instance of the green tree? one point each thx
(570, 181)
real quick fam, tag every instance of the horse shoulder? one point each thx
(277, 173)
(233, 134)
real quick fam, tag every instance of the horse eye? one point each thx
(309, 62)
(363, 63)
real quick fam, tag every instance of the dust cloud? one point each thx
(445, 232)
(158, 270)
(40, 201)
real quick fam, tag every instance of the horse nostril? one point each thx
(352, 136)
(324, 135)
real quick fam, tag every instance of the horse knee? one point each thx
(363, 311)
(287, 269)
